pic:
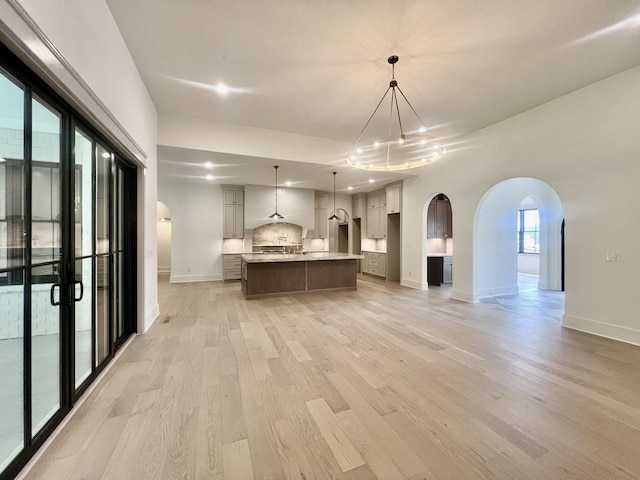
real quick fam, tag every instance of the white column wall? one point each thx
(586, 147)
(196, 229)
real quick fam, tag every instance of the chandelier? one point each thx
(397, 148)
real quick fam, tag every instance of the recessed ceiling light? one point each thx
(208, 165)
(371, 180)
(349, 188)
(222, 89)
(287, 183)
(209, 177)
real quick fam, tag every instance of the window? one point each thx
(528, 231)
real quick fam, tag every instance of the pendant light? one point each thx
(334, 216)
(276, 216)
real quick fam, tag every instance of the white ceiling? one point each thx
(318, 68)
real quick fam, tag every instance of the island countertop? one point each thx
(297, 257)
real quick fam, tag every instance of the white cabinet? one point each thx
(233, 212)
(322, 200)
(233, 197)
(321, 216)
(231, 266)
(377, 215)
(365, 262)
(394, 196)
(374, 263)
(359, 205)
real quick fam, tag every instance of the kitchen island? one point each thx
(276, 274)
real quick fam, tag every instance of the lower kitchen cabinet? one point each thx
(374, 263)
(440, 270)
(231, 266)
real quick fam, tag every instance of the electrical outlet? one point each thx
(612, 256)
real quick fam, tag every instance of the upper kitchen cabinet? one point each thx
(233, 196)
(439, 221)
(359, 205)
(377, 214)
(394, 199)
(233, 213)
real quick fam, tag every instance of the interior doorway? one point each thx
(164, 238)
(518, 240)
(343, 238)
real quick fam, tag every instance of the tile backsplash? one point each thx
(277, 234)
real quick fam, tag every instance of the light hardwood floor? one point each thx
(382, 383)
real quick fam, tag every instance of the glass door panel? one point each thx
(103, 219)
(45, 344)
(45, 184)
(83, 228)
(102, 309)
(47, 292)
(83, 289)
(104, 162)
(12, 368)
(11, 279)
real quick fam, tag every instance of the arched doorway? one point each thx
(519, 217)
(438, 241)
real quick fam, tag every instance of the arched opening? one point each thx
(164, 238)
(518, 246)
(438, 242)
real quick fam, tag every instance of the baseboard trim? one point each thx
(405, 282)
(463, 296)
(497, 291)
(151, 318)
(606, 330)
(195, 278)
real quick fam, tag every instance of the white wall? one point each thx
(586, 147)
(295, 204)
(164, 238)
(528, 263)
(91, 67)
(196, 229)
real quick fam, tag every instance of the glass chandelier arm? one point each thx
(374, 112)
(413, 110)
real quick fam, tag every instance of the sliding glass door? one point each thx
(67, 261)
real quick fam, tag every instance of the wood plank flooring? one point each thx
(380, 383)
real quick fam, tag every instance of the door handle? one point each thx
(79, 282)
(52, 295)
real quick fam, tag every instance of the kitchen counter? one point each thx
(269, 274)
(297, 257)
